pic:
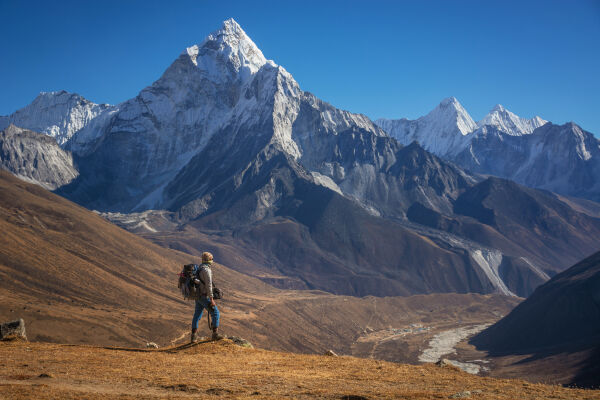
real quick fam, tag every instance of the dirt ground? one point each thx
(225, 370)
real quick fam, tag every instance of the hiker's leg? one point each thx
(214, 314)
(197, 314)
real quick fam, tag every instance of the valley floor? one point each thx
(225, 370)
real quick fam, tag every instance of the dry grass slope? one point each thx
(224, 370)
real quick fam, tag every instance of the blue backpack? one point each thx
(186, 284)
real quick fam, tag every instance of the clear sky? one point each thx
(388, 59)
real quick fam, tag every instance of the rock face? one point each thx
(56, 114)
(564, 159)
(13, 330)
(35, 158)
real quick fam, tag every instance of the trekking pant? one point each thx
(201, 304)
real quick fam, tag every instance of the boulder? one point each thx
(330, 353)
(240, 342)
(13, 330)
(461, 395)
(444, 362)
(151, 345)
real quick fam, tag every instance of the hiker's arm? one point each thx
(210, 287)
(207, 278)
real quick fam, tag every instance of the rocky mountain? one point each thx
(510, 123)
(56, 114)
(227, 145)
(216, 115)
(448, 129)
(564, 159)
(36, 158)
(558, 323)
(441, 132)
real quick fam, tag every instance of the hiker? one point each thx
(205, 298)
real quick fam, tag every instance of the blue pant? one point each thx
(201, 304)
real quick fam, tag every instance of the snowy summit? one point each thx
(228, 46)
(510, 123)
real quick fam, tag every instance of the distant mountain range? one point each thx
(226, 144)
(564, 159)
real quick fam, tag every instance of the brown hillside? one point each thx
(224, 370)
(76, 278)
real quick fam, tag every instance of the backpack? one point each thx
(186, 284)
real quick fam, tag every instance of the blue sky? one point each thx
(382, 58)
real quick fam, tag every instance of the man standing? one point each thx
(205, 298)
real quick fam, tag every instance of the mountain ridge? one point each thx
(528, 151)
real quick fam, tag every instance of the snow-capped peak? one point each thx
(57, 114)
(509, 122)
(228, 46)
(449, 101)
(498, 108)
(450, 114)
(443, 131)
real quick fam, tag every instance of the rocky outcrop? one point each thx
(36, 158)
(13, 330)
(240, 341)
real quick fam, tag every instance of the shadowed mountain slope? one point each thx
(560, 317)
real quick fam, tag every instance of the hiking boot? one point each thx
(216, 336)
(194, 336)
